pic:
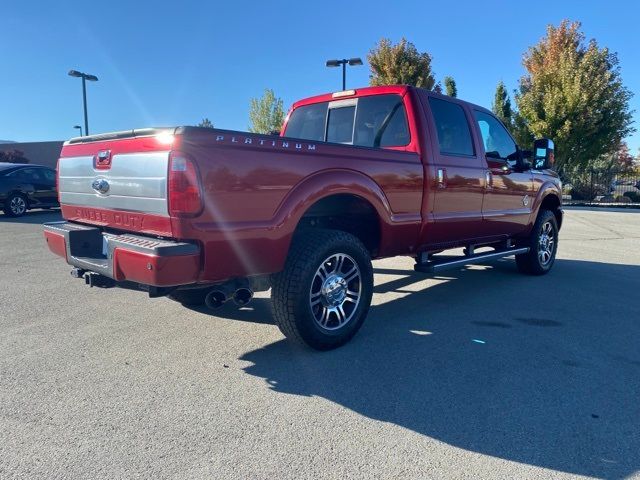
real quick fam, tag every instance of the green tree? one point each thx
(572, 92)
(266, 113)
(13, 156)
(206, 123)
(400, 64)
(450, 86)
(501, 105)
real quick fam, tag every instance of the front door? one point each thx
(509, 196)
(458, 175)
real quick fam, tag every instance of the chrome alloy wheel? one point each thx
(546, 242)
(335, 292)
(18, 206)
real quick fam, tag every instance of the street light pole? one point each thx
(84, 102)
(85, 77)
(343, 63)
(78, 127)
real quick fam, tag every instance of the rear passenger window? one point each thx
(28, 175)
(454, 136)
(49, 175)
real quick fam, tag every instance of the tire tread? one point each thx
(288, 283)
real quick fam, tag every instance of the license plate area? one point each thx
(87, 242)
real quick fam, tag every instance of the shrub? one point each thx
(585, 190)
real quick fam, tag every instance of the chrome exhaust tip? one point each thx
(215, 299)
(242, 296)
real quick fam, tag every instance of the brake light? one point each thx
(58, 180)
(185, 196)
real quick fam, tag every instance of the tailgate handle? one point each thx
(103, 159)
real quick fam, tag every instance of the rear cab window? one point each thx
(370, 121)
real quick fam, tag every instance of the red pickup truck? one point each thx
(206, 215)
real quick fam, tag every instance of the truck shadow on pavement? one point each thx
(544, 371)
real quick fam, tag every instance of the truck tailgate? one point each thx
(119, 183)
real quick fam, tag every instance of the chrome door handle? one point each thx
(441, 178)
(487, 178)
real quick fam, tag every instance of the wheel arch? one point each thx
(338, 194)
(22, 193)
(552, 202)
(549, 198)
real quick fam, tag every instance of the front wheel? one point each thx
(543, 245)
(322, 296)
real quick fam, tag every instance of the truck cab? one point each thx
(479, 186)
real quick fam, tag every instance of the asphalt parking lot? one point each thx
(478, 373)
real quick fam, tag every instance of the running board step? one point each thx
(444, 263)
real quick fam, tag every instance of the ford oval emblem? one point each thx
(100, 185)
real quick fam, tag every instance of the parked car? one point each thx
(26, 186)
(205, 215)
(620, 187)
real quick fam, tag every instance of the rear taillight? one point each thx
(185, 196)
(58, 180)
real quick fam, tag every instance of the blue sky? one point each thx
(173, 63)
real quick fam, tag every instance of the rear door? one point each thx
(459, 174)
(31, 181)
(49, 193)
(510, 193)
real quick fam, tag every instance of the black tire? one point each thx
(297, 315)
(16, 205)
(189, 297)
(537, 261)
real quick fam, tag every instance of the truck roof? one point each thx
(357, 92)
(378, 90)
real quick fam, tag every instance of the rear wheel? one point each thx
(543, 245)
(15, 205)
(322, 296)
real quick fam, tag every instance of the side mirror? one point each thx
(525, 159)
(543, 154)
(526, 154)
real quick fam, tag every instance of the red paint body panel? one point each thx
(256, 188)
(56, 243)
(254, 196)
(154, 270)
(121, 220)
